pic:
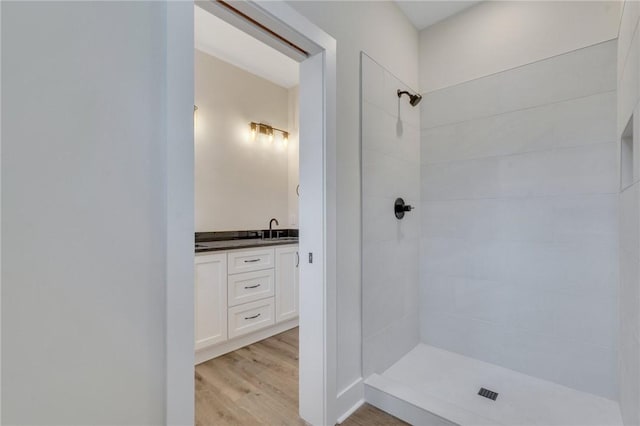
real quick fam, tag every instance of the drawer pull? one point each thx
(253, 317)
(251, 286)
(252, 261)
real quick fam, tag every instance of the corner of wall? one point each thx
(349, 400)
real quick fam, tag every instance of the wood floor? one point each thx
(258, 385)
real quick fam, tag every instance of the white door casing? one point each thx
(317, 201)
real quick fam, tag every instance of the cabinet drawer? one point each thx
(250, 317)
(250, 260)
(249, 286)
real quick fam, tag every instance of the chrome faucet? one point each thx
(270, 225)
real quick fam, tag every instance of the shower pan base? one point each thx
(431, 386)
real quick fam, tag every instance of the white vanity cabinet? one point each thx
(287, 265)
(243, 296)
(210, 299)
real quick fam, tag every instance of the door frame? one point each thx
(318, 352)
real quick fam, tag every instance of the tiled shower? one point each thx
(390, 169)
(522, 252)
(519, 253)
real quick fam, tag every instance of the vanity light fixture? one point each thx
(266, 129)
(195, 117)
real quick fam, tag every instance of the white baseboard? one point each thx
(349, 400)
(215, 351)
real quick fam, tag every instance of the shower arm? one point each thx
(414, 99)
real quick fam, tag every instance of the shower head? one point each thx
(414, 99)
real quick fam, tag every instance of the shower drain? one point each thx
(488, 394)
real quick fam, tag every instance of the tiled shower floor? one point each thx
(447, 384)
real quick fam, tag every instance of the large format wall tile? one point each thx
(573, 75)
(630, 304)
(576, 122)
(390, 169)
(387, 176)
(629, 300)
(386, 134)
(519, 218)
(390, 344)
(590, 169)
(580, 218)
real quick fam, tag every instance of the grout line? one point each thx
(391, 324)
(519, 197)
(393, 157)
(516, 154)
(383, 110)
(601, 240)
(526, 197)
(484, 117)
(633, 36)
(624, 7)
(387, 70)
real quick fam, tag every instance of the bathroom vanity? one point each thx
(243, 295)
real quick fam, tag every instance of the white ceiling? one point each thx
(224, 41)
(426, 12)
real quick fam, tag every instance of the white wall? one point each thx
(390, 169)
(294, 157)
(381, 30)
(84, 222)
(240, 183)
(495, 36)
(629, 110)
(519, 214)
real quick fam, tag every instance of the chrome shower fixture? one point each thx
(414, 99)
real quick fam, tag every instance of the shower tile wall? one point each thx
(390, 169)
(629, 110)
(519, 246)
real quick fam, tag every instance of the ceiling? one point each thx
(224, 41)
(425, 13)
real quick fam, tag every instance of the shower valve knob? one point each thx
(399, 208)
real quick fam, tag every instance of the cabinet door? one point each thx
(210, 299)
(287, 267)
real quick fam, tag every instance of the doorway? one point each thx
(279, 26)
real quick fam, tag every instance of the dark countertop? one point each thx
(205, 246)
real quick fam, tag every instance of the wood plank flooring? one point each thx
(258, 385)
